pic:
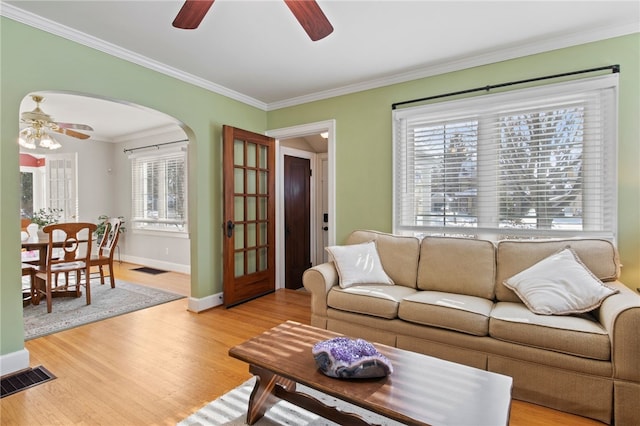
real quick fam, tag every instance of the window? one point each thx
(159, 190)
(538, 162)
(26, 191)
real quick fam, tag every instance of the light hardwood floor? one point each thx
(159, 365)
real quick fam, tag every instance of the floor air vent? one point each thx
(25, 379)
(147, 270)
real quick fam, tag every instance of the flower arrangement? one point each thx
(44, 217)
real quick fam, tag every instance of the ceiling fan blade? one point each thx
(192, 13)
(311, 17)
(74, 126)
(71, 133)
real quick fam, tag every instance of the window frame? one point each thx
(161, 155)
(61, 184)
(488, 107)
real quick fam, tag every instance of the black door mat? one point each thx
(147, 270)
(25, 379)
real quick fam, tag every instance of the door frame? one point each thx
(328, 126)
(321, 255)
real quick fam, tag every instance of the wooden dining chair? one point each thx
(27, 293)
(73, 256)
(106, 249)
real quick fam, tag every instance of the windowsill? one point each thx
(158, 233)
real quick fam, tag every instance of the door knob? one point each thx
(230, 226)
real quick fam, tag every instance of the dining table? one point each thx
(40, 245)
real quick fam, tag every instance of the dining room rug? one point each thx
(106, 302)
(231, 409)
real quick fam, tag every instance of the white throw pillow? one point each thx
(358, 264)
(559, 285)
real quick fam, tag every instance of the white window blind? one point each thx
(159, 189)
(537, 162)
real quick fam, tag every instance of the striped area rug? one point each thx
(231, 409)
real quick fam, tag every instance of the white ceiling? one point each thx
(111, 121)
(256, 51)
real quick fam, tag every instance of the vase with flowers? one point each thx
(44, 217)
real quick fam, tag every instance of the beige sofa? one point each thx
(449, 301)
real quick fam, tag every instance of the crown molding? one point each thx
(68, 33)
(168, 131)
(451, 65)
(458, 64)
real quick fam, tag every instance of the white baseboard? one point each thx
(195, 304)
(154, 263)
(14, 361)
(202, 304)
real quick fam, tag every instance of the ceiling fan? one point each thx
(39, 120)
(307, 12)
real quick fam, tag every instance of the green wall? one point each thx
(364, 141)
(33, 60)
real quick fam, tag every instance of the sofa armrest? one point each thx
(620, 316)
(318, 281)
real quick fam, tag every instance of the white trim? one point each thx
(159, 264)
(466, 62)
(165, 130)
(162, 154)
(158, 151)
(319, 179)
(160, 233)
(14, 361)
(39, 174)
(491, 106)
(198, 305)
(328, 126)
(578, 38)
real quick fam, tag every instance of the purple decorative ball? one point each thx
(350, 358)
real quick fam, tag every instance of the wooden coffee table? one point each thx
(421, 390)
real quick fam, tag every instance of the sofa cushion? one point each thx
(466, 314)
(600, 256)
(398, 254)
(380, 301)
(559, 285)
(358, 264)
(457, 265)
(579, 335)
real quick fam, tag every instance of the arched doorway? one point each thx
(103, 171)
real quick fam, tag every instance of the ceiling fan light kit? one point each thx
(307, 12)
(39, 123)
(26, 139)
(29, 137)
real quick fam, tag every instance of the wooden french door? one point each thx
(249, 215)
(297, 219)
